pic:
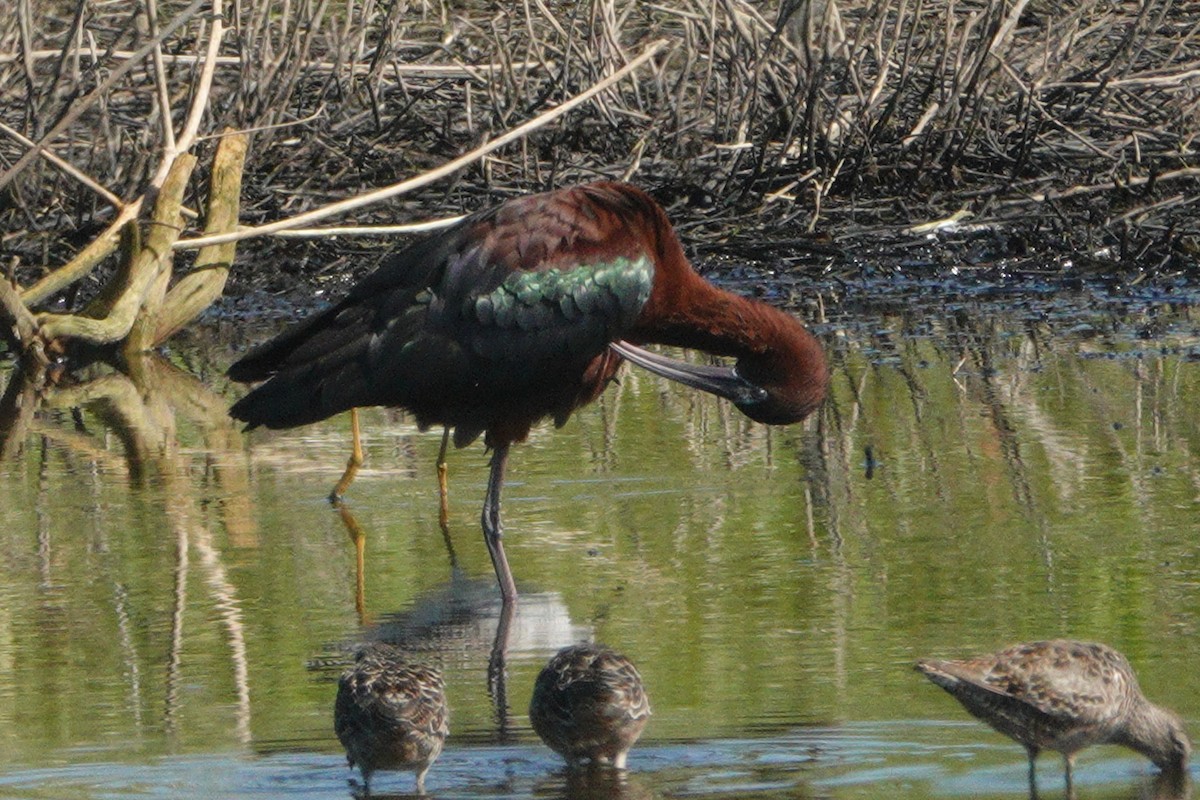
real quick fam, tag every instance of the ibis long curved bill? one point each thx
(719, 380)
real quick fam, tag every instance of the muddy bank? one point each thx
(867, 271)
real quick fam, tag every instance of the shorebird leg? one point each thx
(1033, 754)
(353, 463)
(493, 531)
(421, 780)
(1070, 759)
(443, 490)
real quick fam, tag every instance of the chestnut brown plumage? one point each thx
(391, 713)
(589, 705)
(523, 312)
(1063, 695)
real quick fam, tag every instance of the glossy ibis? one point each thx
(522, 312)
(589, 705)
(1063, 695)
(390, 713)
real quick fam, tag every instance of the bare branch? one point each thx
(66, 167)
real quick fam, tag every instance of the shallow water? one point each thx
(177, 598)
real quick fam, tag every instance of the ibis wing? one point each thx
(478, 320)
(322, 365)
(394, 286)
(512, 352)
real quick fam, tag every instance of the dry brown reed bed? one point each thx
(1076, 120)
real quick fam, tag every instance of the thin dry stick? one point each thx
(476, 72)
(1007, 27)
(372, 230)
(433, 175)
(1142, 81)
(1139, 180)
(160, 79)
(199, 101)
(66, 167)
(80, 106)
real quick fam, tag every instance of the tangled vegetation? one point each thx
(1075, 121)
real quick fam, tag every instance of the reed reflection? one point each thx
(142, 405)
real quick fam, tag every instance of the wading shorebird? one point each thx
(523, 312)
(1063, 695)
(391, 713)
(589, 705)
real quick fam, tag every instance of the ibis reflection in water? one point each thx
(463, 615)
(1064, 695)
(523, 312)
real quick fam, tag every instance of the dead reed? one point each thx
(795, 116)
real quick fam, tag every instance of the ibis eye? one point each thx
(750, 392)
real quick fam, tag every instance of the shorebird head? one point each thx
(1159, 735)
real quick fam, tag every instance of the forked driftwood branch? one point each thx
(136, 309)
(201, 287)
(139, 270)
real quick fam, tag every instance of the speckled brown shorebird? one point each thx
(589, 704)
(1063, 695)
(391, 713)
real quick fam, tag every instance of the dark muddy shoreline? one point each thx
(874, 271)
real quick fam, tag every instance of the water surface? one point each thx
(177, 598)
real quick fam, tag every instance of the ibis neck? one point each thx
(684, 310)
(774, 352)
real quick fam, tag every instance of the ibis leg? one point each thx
(493, 531)
(353, 463)
(443, 489)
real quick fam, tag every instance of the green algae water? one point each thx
(177, 597)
